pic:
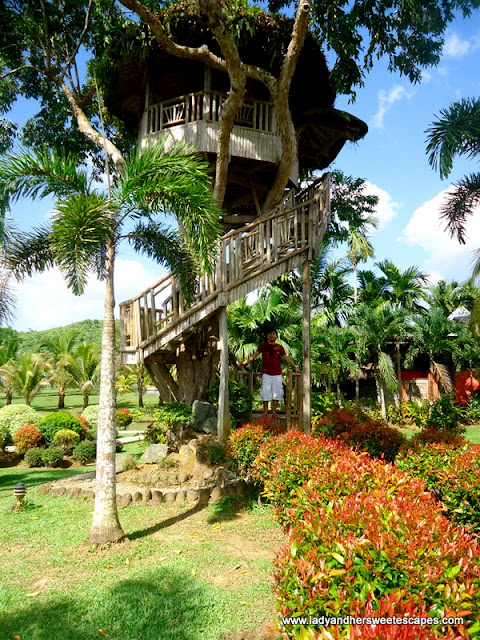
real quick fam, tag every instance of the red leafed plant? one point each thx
(27, 437)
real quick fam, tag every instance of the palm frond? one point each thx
(462, 200)
(36, 175)
(386, 370)
(81, 227)
(174, 181)
(455, 132)
(28, 253)
(442, 374)
(167, 247)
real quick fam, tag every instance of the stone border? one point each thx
(154, 496)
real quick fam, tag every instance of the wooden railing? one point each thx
(245, 256)
(293, 393)
(206, 106)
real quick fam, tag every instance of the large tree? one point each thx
(83, 237)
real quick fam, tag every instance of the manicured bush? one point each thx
(85, 426)
(27, 437)
(452, 474)
(471, 414)
(243, 447)
(56, 420)
(445, 414)
(52, 456)
(128, 462)
(90, 414)
(33, 457)
(66, 439)
(362, 535)
(123, 418)
(84, 451)
(240, 401)
(14, 416)
(358, 430)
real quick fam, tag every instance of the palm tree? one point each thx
(8, 355)
(378, 328)
(61, 349)
(359, 250)
(403, 290)
(372, 288)
(134, 374)
(84, 368)
(331, 292)
(83, 237)
(434, 335)
(333, 356)
(29, 375)
(457, 132)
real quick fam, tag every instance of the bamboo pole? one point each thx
(223, 417)
(307, 377)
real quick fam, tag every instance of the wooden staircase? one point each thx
(158, 320)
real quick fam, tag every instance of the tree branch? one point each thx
(286, 127)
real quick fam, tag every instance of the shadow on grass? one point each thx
(166, 604)
(167, 523)
(230, 508)
(31, 477)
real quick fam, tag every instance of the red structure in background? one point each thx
(466, 384)
(419, 385)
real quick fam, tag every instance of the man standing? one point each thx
(272, 387)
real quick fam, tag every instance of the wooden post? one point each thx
(307, 376)
(223, 418)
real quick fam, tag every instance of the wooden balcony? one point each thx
(158, 319)
(194, 118)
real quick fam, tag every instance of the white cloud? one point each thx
(44, 300)
(446, 257)
(387, 208)
(386, 99)
(457, 47)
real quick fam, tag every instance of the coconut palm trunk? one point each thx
(105, 524)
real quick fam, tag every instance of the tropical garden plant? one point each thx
(83, 237)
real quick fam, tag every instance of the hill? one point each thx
(30, 341)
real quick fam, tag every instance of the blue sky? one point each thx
(391, 158)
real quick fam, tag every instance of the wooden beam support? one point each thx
(223, 417)
(307, 375)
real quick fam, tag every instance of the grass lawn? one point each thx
(47, 400)
(472, 432)
(181, 574)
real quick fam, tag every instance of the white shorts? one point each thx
(272, 388)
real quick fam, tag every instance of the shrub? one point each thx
(5, 436)
(91, 435)
(90, 414)
(168, 421)
(243, 447)
(323, 403)
(430, 435)
(361, 539)
(211, 453)
(52, 456)
(57, 420)
(123, 418)
(452, 474)
(33, 457)
(128, 462)
(445, 415)
(85, 426)
(472, 411)
(14, 416)
(27, 437)
(84, 451)
(358, 430)
(66, 439)
(240, 401)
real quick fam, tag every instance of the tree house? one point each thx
(159, 94)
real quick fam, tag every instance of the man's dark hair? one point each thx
(270, 330)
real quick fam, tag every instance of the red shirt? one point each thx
(271, 354)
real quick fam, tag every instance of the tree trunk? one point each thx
(85, 398)
(9, 397)
(197, 362)
(381, 397)
(357, 388)
(61, 398)
(106, 525)
(399, 374)
(140, 394)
